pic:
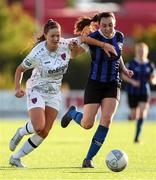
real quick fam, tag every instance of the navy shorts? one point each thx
(134, 100)
(96, 91)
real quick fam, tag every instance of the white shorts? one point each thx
(35, 99)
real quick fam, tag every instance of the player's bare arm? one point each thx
(108, 48)
(125, 71)
(18, 79)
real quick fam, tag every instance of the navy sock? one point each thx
(76, 116)
(97, 141)
(138, 128)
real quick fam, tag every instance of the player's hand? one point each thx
(73, 45)
(109, 50)
(19, 93)
(128, 73)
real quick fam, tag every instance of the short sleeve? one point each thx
(30, 61)
(120, 39)
(85, 47)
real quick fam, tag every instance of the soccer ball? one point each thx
(116, 160)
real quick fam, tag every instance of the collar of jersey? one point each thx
(138, 61)
(50, 52)
(104, 35)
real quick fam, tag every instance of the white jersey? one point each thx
(48, 67)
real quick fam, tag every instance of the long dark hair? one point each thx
(50, 24)
(82, 22)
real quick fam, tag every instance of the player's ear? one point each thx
(114, 23)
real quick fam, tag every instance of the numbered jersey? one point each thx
(48, 67)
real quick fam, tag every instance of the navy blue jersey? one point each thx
(103, 68)
(142, 73)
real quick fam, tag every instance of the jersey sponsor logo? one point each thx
(63, 56)
(47, 62)
(34, 100)
(58, 69)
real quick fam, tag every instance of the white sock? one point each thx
(32, 143)
(27, 129)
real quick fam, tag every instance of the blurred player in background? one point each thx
(103, 86)
(138, 87)
(49, 60)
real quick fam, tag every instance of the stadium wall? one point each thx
(12, 107)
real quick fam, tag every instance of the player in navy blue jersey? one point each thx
(103, 86)
(138, 87)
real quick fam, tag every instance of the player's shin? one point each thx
(97, 141)
(138, 129)
(32, 143)
(27, 129)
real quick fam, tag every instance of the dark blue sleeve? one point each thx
(93, 35)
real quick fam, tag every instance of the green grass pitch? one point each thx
(61, 154)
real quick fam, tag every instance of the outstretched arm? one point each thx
(125, 71)
(153, 79)
(108, 48)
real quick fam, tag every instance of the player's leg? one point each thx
(37, 116)
(34, 99)
(133, 106)
(25, 130)
(50, 116)
(103, 128)
(134, 112)
(91, 100)
(143, 106)
(86, 120)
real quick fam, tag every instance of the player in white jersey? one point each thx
(49, 60)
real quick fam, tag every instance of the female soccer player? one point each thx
(103, 85)
(138, 87)
(49, 60)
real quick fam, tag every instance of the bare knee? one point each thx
(44, 133)
(107, 120)
(87, 125)
(40, 128)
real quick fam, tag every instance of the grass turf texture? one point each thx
(61, 154)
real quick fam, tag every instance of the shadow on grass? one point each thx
(80, 170)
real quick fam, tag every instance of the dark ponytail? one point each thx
(95, 18)
(80, 24)
(50, 24)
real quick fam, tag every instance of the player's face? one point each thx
(142, 52)
(53, 38)
(107, 26)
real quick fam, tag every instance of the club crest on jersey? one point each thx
(34, 100)
(63, 56)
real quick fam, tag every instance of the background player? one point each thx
(138, 87)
